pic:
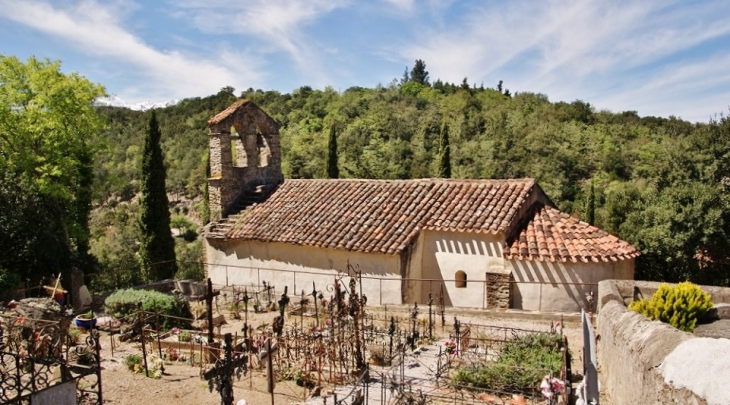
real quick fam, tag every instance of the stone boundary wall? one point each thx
(633, 352)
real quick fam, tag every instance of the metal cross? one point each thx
(221, 374)
(314, 297)
(245, 300)
(267, 290)
(209, 295)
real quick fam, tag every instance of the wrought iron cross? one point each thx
(314, 297)
(220, 376)
(245, 300)
(209, 295)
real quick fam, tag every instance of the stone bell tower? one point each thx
(245, 154)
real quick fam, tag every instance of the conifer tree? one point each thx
(444, 153)
(592, 205)
(205, 211)
(333, 171)
(419, 74)
(157, 246)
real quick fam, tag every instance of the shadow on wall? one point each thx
(549, 286)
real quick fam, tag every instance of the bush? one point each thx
(133, 360)
(679, 306)
(125, 303)
(521, 365)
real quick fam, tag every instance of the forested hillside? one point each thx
(660, 183)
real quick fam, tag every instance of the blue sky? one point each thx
(656, 57)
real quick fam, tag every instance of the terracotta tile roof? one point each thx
(553, 235)
(227, 112)
(381, 216)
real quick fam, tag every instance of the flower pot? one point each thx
(85, 323)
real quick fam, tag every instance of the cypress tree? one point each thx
(444, 153)
(205, 211)
(592, 205)
(333, 171)
(157, 246)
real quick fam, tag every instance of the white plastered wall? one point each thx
(252, 262)
(554, 292)
(445, 253)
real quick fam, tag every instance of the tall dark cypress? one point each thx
(333, 171)
(205, 212)
(444, 153)
(157, 246)
(592, 205)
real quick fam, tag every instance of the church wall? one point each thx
(446, 253)
(252, 262)
(544, 286)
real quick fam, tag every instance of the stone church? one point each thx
(484, 243)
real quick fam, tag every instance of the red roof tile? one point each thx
(227, 112)
(385, 216)
(550, 234)
(381, 216)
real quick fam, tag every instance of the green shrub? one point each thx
(521, 365)
(679, 306)
(125, 303)
(132, 360)
(73, 335)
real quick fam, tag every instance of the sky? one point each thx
(656, 57)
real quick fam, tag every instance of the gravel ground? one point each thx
(182, 383)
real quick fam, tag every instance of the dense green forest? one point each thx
(660, 183)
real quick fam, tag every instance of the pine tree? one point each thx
(419, 74)
(444, 153)
(333, 171)
(157, 246)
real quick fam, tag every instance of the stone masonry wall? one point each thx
(263, 161)
(498, 290)
(637, 357)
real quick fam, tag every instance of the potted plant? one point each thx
(85, 320)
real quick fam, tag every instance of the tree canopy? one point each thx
(46, 121)
(658, 182)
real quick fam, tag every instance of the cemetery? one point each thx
(261, 344)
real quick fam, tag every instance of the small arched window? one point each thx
(460, 279)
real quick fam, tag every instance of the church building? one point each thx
(493, 244)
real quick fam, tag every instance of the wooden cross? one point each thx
(221, 374)
(209, 295)
(267, 355)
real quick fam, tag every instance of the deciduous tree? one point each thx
(46, 120)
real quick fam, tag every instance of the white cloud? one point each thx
(279, 22)
(575, 49)
(98, 30)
